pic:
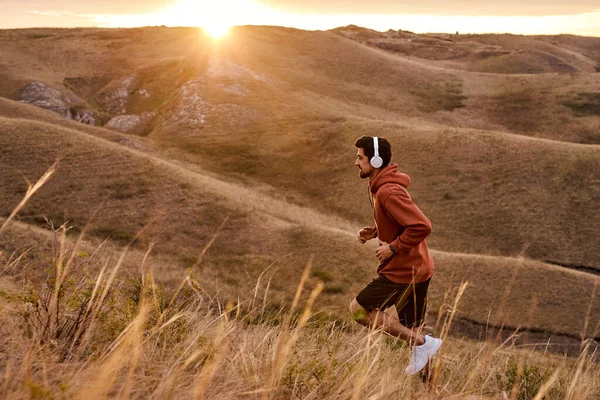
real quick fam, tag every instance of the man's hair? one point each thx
(385, 148)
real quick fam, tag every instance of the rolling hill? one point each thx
(164, 129)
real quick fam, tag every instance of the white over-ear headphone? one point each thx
(376, 161)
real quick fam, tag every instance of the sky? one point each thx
(578, 17)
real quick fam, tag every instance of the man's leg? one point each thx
(412, 305)
(379, 319)
(411, 308)
(381, 293)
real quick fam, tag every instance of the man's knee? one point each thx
(357, 311)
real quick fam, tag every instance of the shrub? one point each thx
(63, 308)
(524, 378)
(322, 275)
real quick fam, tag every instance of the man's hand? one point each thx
(366, 233)
(383, 252)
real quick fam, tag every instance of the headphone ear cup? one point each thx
(376, 162)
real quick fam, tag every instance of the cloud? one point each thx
(52, 13)
(98, 20)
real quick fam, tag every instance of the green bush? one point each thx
(526, 379)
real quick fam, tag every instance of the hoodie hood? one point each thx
(389, 174)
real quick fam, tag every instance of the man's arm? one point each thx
(416, 225)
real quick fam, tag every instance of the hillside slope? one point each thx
(177, 82)
(473, 169)
(184, 207)
(180, 132)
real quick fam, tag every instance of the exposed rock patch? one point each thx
(144, 93)
(134, 104)
(191, 108)
(86, 116)
(114, 96)
(137, 124)
(44, 96)
(41, 95)
(235, 88)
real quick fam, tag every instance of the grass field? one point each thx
(85, 330)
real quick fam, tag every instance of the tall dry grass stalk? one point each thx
(189, 279)
(31, 190)
(124, 353)
(588, 316)
(205, 350)
(578, 389)
(213, 360)
(13, 261)
(367, 362)
(287, 338)
(446, 330)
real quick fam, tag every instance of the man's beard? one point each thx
(363, 175)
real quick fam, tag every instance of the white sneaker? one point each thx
(420, 355)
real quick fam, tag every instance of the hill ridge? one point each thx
(236, 194)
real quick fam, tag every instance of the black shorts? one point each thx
(410, 299)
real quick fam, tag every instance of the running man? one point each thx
(405, 266)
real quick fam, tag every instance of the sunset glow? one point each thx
(216, 17)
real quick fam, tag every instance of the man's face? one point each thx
(362, 162)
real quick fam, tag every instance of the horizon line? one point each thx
(301, 29)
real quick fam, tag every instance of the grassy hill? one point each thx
(118, 191)
(495, 53)
(270, 95)
(252, 138)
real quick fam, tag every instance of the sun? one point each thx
(216, 30)
(214, 17)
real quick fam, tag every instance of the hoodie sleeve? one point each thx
(416, 225)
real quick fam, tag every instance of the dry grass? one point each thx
(85, 330)
(156, 343)
(182, 206)
(495, 53)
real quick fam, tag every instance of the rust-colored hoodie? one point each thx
(400, 222)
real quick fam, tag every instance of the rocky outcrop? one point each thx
(137, 124)
(86, 116)
(115, 96)
(128, 104)
(41, 95)
(44, 96)
(190, 108)
(193, 105)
